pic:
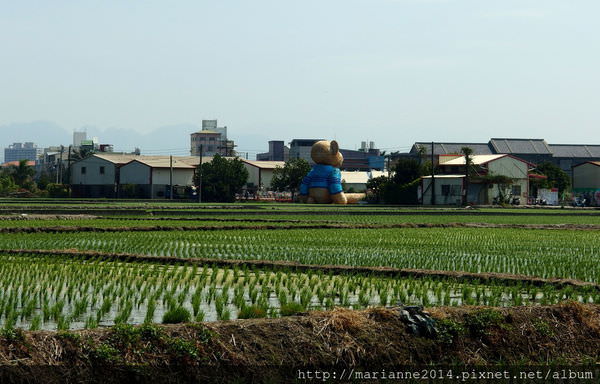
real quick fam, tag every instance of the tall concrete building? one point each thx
(300, 149)
(21, 151)
(78, 138)
(213, 140)
(362, 160)
(277, 152)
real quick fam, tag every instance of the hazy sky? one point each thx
(391, 71)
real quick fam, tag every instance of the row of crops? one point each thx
(68, 292)
(541, 253)
(65, 293)
(253, 219)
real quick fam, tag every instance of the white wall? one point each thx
(92, 174)
(508, 166)
(134, 173)
(264, 174)
(455, 189)
(253, 173)
(181, 176)
(515, 169)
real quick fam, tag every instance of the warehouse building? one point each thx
(586, 182)
(451, 184)
(151, 178)
(260, 173)
(97, 175)
(534, 151)
(100, 175)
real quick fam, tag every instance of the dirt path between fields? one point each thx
(36, 216)
(338, 269)
(75, 228)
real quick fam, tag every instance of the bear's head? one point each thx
(327, 153)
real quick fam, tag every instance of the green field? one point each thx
(62, 292)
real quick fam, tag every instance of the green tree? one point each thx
(81, 153)
(402, 187)
(44, 179)
(290, 176)
(406, 171)
(377, 185)
(57, 190)
(221, 179)
(7, 185)
(556, 177)
(22, 175)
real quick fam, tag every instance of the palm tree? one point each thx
(81, 153)
(467, 151)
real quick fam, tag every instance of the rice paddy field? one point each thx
(60, 266)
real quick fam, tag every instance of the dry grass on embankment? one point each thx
(567, 333)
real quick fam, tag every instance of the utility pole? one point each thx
(200, 177)
(171, 177)
(60, 164)
(69, 169)
(432, 176)
(69, 164)
(389, 169)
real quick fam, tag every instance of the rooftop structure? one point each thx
(21, 151)
(534, 151)
(211, 140)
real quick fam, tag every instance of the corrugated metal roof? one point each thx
(444, 176)
(119, 159)
(575, 150)
(512, 146)
(452, 148)
(588, 162)
(355, 177)
(375, 173)
(529, 146)
(162, 163)
(263, 164)
(475, 159)
(116, 158)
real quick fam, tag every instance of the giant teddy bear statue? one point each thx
(323, 184)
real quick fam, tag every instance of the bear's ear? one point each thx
(334, 148)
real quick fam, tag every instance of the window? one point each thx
(102, 170)
(516, 190)
(83, 170)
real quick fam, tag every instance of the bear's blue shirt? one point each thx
(322, 176)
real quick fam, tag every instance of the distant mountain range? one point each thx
(172, 139)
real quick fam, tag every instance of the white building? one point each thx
(356, 181)
(97, 175)
(211, 140)
(78, 138)
(450, 184)
(586, 182)
(118, 175)
(260, 173)
(151, 177)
